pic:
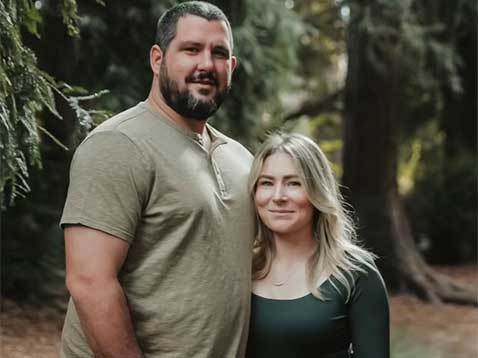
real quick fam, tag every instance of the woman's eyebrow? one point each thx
(290, 176)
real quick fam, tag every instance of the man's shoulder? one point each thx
(123, 120)
(135, 125)
(122, 130)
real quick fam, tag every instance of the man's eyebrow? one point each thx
(191, 43)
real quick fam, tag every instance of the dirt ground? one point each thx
(419, 330)
(424, 330)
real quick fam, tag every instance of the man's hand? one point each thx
(93, 260)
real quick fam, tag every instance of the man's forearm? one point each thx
(105, 319)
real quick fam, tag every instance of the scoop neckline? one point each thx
(281, 299)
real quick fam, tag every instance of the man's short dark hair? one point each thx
(166, 28)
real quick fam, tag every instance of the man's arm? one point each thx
(93, 259)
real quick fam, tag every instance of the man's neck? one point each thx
(197, 126)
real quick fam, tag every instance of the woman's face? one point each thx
(280, 198)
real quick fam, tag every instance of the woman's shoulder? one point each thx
(368, 281)
(358, 274)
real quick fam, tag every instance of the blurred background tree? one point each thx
(408, 64)
(389, 86)
(404, 63)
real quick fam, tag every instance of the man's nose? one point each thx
(205, 61)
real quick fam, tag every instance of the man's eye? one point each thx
(220, 54)
(192, 49)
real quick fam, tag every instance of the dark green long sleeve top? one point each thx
(307, 327)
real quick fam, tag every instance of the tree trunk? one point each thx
(373, 99)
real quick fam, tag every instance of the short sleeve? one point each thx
(109, 180)
(369, 316)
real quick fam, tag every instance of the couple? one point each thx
(159, 228)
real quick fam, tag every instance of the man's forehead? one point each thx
(195, 26)
(198, 19)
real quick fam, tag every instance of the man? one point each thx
(158, 224)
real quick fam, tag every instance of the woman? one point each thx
(316, 293)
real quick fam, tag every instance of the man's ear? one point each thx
(233, 63)
(155, 58)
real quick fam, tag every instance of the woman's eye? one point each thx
(265, 183)
(295, 183)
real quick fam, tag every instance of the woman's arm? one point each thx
(369, 316)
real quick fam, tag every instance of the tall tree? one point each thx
(384, 62)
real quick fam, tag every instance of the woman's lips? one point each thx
(281, 211)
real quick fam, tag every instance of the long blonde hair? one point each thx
(338, 255)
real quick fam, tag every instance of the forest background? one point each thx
(388, 88)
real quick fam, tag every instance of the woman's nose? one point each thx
(279, 193)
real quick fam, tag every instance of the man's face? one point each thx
(195, 72)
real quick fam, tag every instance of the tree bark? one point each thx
(373, 99)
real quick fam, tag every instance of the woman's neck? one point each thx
(294, 247)
(287, 278)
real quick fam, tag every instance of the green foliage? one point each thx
(326, 128)
(438, 114)
(322, 45)
(266, 44)
(69, 14)
(25, 91)
(19, 77)
(442, 204)
(419, 39)
(34, 271)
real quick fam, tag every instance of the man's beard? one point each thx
(184, 102)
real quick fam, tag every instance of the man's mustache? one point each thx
(202, 77)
